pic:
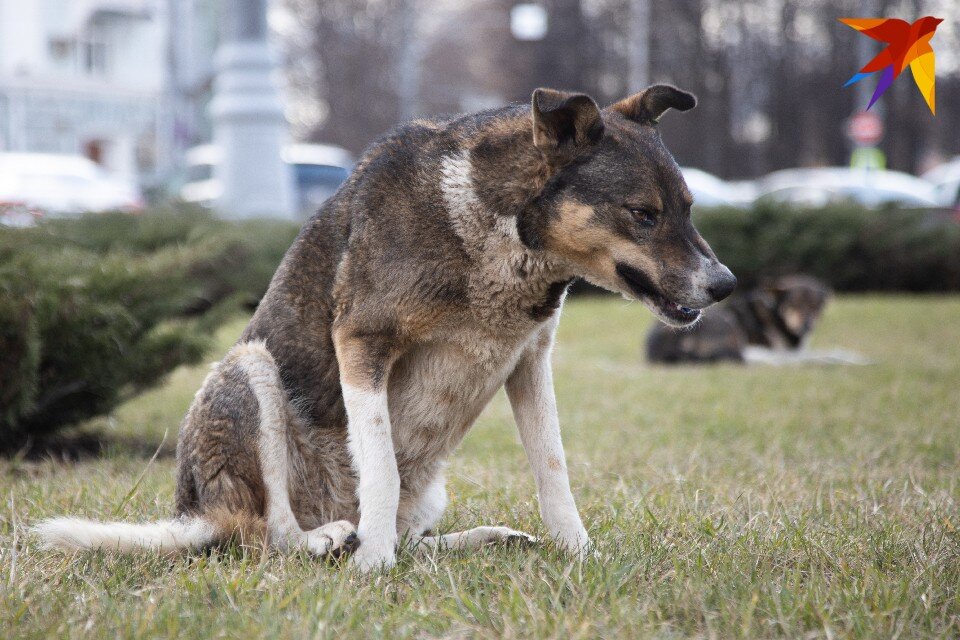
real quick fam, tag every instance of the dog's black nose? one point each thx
(723, 286)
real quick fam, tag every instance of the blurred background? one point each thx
(132, 86)
(158, 156)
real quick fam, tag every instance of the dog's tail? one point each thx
(164, 536)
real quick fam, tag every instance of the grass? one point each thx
(725, 502)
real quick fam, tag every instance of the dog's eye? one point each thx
(644, 216)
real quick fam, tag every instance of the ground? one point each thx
(724, 501)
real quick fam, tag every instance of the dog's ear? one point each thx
(564, 123)
(647, 106)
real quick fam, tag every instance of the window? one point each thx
(310, 175)
(95, 58)
(61, 49)
(94, 53)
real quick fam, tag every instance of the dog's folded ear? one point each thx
(647, 106)
(564, 123)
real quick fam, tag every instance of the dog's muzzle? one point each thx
(643, 288)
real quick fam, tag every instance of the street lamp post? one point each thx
(249, 128)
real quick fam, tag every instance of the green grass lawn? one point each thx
(724, 501)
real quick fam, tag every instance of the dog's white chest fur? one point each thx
(437, 390)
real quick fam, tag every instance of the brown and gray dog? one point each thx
(432, 278)
(770, 324)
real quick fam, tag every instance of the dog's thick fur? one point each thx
(431, 279)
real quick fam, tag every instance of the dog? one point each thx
(770, 324)
(432, 278)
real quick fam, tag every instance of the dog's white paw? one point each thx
(369, 557)
(333, 539)
(577, 544)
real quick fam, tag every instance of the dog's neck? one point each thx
(509, 172)
(490, 184)
(493, 183)
(486, 186)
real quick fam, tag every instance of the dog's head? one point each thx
(616, 206)
(798, 301)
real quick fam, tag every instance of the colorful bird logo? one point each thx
(908, 44)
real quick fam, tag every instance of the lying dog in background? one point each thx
(769, 325)
(432, 278)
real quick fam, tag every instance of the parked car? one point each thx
(945, 178)
(18, 214)
(36, 184)
(319, 169)
(710, 191)
(867, 187)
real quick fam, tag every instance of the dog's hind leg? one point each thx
(273, 448)
(419, 514)
(429, 508)
(234, 469)
(474, 539)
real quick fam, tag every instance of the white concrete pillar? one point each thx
(248, 122)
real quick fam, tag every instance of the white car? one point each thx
(868, 187)
(945, 178)
(36, 184)
(319, 169)
(710, 191)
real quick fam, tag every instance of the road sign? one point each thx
(865, 128)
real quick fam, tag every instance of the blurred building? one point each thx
(194, 35)
(123, 82)
(82, 76)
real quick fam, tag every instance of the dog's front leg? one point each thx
(530, 389)
(364, 365)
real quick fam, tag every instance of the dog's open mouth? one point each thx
(667, 309)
